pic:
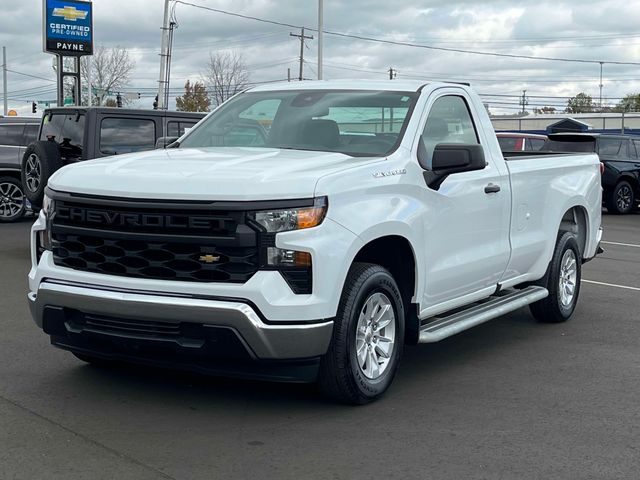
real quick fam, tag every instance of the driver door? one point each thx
(467, 224)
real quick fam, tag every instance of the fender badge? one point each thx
(390, 173)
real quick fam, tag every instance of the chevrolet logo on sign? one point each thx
(209, 258)
(70, 13)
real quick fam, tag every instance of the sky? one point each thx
(599, 31)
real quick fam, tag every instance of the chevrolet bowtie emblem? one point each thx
(70, 13)
(209, 258)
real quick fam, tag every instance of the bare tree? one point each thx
(225, 76)
(111, 70)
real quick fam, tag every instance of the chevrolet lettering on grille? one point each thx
(124, 219)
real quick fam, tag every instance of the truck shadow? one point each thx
(420, 365)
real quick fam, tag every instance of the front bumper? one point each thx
(115, 322)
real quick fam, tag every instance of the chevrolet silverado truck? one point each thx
(308, 232)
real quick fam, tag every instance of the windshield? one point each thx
(356, 123)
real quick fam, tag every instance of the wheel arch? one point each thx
(576, 221)
(396, 254)
(10, 173)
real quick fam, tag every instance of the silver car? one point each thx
(15, 134)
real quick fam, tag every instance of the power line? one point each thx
(32, 76)
(409, 44)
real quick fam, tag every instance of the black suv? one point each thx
(15, 134)
(620, 155)
(72, 134)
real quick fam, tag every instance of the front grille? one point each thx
(132, 327)
(197, 246)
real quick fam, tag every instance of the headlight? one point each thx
(44, 236)
(47, 205)
(285, 220)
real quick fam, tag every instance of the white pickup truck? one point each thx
(308, 231)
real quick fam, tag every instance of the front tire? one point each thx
(368, 337)
(622, 199)
(562, 280)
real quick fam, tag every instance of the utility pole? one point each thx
(600, 102)
(320, 37)
(302, 38)
(524, 101)
(162, 86)
(392, 73)
(288, 74)
(4, 80)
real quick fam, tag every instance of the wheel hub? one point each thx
(568, 278)
(375, 335)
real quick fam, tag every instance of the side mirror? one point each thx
(164, 142)
(448, 158)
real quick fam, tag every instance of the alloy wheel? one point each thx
(11, 200)
(568, 278)
(33, 172)
(375, 335)
(623, 198)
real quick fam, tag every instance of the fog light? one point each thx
(279, 257)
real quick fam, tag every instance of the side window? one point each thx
(125, 135)
(536, 143)
(449, 121)
(507, 144)
(612, 147)
(177, 129)
(31, 133)
(52, 127)
(72, 136)
(11, 135)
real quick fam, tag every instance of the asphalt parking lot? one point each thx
(511, 399)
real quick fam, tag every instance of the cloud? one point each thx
(590, 29)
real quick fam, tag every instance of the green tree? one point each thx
(195, 98)
(630, 103)
(581, 103)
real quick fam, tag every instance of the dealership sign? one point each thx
(68, 27)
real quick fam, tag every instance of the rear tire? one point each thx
(562, 280)
(368, 337)
(39, 162)
(12, 204)
(621, 200)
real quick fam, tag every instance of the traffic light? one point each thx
(34, 107)
(119, 100)
(155, 103)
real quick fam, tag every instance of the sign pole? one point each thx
(60, 79)
(4, 79)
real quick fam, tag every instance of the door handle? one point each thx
(492, 188)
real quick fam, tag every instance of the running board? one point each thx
(444, 327)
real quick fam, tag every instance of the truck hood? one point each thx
(227, 173)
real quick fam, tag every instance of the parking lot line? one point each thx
(622, 244)
(611, 285)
